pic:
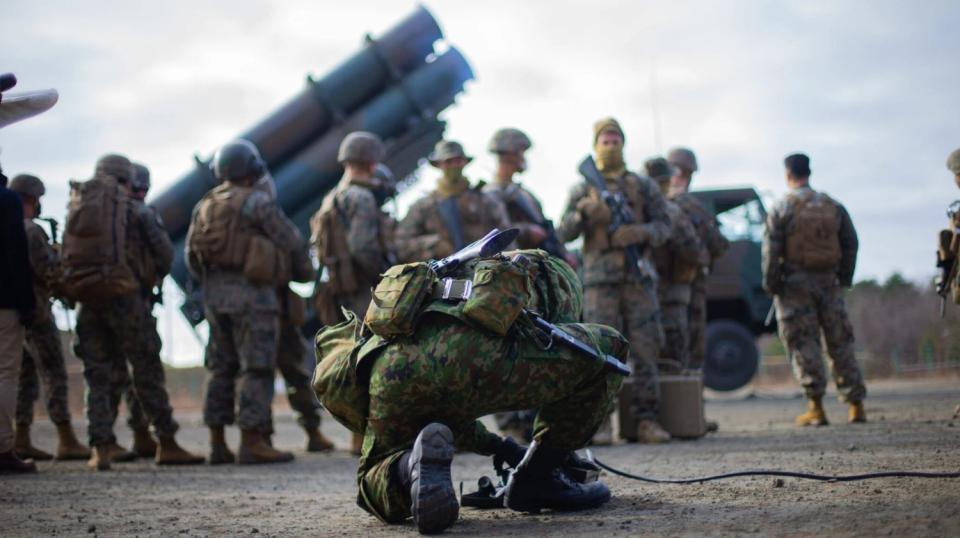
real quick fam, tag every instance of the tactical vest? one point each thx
(813, 234)
(95, 263)
(598, 237)
(474, 220)
(220, 238)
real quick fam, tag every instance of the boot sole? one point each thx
(434, 503)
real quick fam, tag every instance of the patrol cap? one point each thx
(237, 160)
(509, 140)
(684, 159)
(114, 165)
(27, 184)
(141, 177)
(659, 169)
(361, 146)
(953, 162)
(447, 149)
(607, 125)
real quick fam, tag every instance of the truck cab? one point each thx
(737, 306)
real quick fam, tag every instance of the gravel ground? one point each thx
(911, 428)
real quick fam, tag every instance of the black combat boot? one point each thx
(540, 482)
(426, 471)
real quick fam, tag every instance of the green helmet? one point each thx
(659, 169)
(683, 159)
(447, 149)
(141, 178)
(238, 160)
(116, 166)
(509, 140)
(27, 184)
(953, 162)
(361, 146)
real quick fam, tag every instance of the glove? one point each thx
(629, 234)
(594, 211)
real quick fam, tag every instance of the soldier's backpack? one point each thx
(95, 266)
(813, 240)
(329, 228)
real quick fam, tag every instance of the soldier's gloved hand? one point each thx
(629, 234)
(595, 211)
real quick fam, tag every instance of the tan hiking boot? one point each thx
(856, 414)
(143, 444)
(170, 453)
(25, 449)
(220, 453)
(118, 454)
(649, 432)
(316, 442)
(100, 458)
(815, 415)
(356, 444)
(68, 446)
(253, 449)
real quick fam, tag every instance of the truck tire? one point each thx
(732, 355)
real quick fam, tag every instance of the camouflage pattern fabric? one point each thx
(676, 261)
(293, 352)
(43, 355)
(104, 354)
(634, 310)
(45, 265)
(708, 229)
(148, 338)
(811, 303)
(241, 345)
(808, 306)
(448, 372)
(423, 235)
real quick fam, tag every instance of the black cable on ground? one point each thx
(787, 474)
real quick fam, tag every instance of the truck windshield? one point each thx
(743, 222)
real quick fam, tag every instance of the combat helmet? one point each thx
(509, 140)
(116, 166)
(683, 159)
(27, 184)
(361, 146)
(953, 162)
(141, 178)
(237, 160)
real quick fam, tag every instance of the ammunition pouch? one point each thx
(399, 298)
(265, 264)
(500, 291)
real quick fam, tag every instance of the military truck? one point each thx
(737, 306)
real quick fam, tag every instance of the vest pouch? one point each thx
(501, 289)
(398, 299)
(260, 264)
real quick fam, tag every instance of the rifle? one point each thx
(450, 214)
(492, 244)
(54, 226)
(552, 243)
(620, 213)
(946, 266)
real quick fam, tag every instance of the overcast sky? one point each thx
(869, 89)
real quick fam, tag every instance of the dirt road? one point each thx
(911, 428)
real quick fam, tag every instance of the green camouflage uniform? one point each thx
(43, 353)
(453, 372)
(243, 320)
(716, 245)
(810, 304)
(106, 339)
(677, 261)
(423, 235)
(613, 293)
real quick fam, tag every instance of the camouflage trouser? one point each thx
(633, 309)
(676, 334)
(149, 340)
(241, 344)
(105, 346)
(293, 352)
(42, 354)
(453, 374)
(805, 310)
(697, 325)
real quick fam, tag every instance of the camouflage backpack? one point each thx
(813, 236)
(94, 242)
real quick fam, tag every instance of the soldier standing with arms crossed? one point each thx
(237, 240)
(43, 353)
(809, 255)
(455, 214)
(614, 293)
